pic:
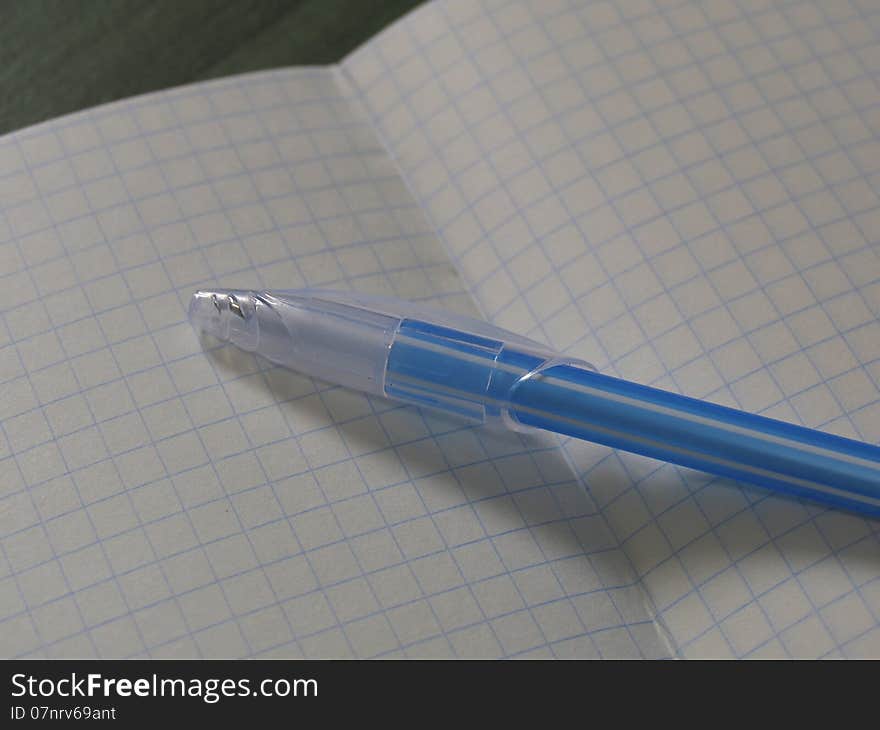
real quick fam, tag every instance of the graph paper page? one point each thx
(165, 497)
(683, 193)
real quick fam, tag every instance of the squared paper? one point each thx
(679, 192)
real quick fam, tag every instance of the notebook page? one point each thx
(160, 500)
(683, 193)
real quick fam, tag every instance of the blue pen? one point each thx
(469, 368)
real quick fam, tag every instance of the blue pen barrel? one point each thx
(485, 379)
(701, 435)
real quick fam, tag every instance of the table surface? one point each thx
(58, 56)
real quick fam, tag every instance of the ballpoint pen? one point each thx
(469, 368)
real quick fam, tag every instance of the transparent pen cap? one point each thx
(383, 346)
(338, 342)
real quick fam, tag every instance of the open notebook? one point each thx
(684, 193)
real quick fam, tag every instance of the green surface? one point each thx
(58, 56)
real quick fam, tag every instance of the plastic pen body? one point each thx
(435, 368)
(488, 375)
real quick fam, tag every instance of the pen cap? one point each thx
(337, 342)
(383, 346)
